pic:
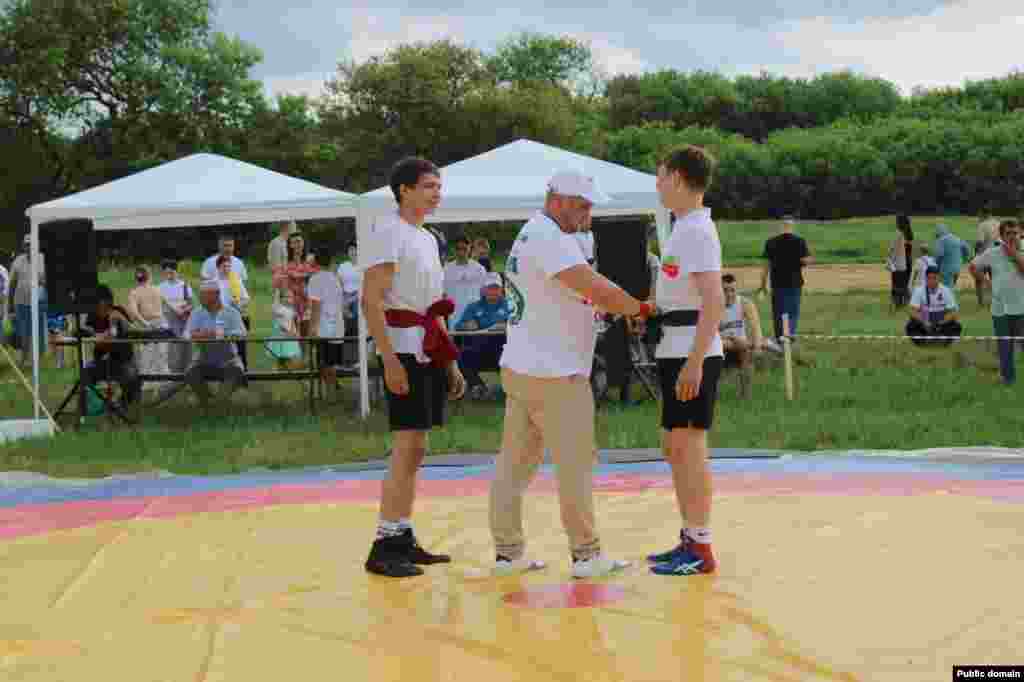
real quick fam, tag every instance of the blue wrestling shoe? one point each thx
(672, 554)
(695, 558)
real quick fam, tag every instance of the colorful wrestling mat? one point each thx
(832, 568)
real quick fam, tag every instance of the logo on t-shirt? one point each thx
(671, 267)
(516, 303)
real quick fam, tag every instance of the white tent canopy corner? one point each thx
(196, 190)
(510, 183)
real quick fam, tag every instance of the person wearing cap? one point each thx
(690, 352)
(176, 297)
(545, 372)
(215, 361)
(787, 255)
(21, 285)
(404, 308)
(933, 312)
(489, 312)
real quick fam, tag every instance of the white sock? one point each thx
(388, 529)
(405, 524)
(699, 534)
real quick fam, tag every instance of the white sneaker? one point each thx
(598, 566)
(516, 566)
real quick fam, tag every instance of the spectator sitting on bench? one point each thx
(213, 361)
(111, 362)
(482, 352)
(741, 333)
(933, 312)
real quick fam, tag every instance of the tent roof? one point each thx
(509, 183)
(201, 189)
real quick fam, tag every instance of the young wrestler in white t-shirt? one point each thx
(689, 354)
(402, 292)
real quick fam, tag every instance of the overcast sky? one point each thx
(909, 42)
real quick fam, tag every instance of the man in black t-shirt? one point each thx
(787, 254)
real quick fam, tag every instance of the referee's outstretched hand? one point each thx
(396, 378)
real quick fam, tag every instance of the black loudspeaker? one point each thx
(620, 246)
(69, 253)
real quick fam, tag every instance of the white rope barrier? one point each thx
(879, 337)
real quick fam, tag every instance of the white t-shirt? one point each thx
(921, 266)
(418, 281)
(462, 283)
(586, 241)
(733, 322)
(325, 287)
(21, 269)
(935, 303)
(5, 280)
(692, 247)
(351, 278)
(209, 269)
(551, 331)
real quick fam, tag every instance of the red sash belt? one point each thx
(437, 345)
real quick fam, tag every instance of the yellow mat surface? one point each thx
(811, 587)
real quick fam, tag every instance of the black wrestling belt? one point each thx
(672, 318)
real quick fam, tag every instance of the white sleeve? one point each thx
(243, 274)
(560, 253)
(699, 251)
(917, 298)
(381, 245)
(316, 290)
(209, 269)
(983, 260)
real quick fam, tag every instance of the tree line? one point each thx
(90, 92)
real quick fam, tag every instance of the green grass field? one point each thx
(860, 240)
(850, 395)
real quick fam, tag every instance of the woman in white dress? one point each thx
(145, 308)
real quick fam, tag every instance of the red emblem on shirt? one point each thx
(671, 270)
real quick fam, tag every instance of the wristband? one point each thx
(646, 309)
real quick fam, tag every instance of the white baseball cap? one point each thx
(573, 183)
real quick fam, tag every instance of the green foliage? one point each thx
(751, 106)
(438, 100)
(534, 57)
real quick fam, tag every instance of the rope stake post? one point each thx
(788, 354)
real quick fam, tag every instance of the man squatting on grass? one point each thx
(405, 310)
(545, 370)
(690, 301)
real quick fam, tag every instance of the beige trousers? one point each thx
(557, 413)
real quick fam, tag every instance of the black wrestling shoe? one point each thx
(417, 555)
(390, 557)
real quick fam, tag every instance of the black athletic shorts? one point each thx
(330, 354)
(424, 406)
(698, 413)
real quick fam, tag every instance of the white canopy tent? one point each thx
(197, 190)
(510, 183)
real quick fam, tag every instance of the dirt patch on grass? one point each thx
(834, 278)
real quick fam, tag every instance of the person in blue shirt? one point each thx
(950, 252)
(215, 361)
(479, 352)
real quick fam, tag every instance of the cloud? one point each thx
(610, 58)
(309, 84)
(968, 40)
(373, 34)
